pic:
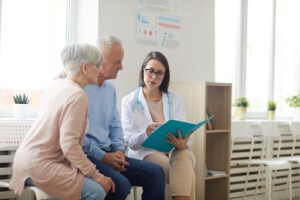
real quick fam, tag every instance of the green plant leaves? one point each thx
(293, 101)
(21, 99)
(272, 105)
(241, 102)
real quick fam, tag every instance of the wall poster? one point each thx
(159, 22)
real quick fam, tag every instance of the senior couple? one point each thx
(75, 149)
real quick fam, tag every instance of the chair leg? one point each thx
(269, 183)
(135, 193)
(37, 196)
(258, 180)
(290, 184)
(246, 182)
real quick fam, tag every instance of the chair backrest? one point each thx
(7, 153)
(247, 144)
(247, 141)
(295, 128)
(280, 139)
(281, 144)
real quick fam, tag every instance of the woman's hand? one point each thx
(152, 127)
(179, 143)
(107, 184)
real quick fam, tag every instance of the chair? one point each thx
(6, 158)
(249, 149)
(280, 144)
(295, 128)
(245, 180)
(280, 140)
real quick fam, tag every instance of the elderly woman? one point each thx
(50, 156)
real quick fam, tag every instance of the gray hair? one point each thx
(108, 41)
(74, 55)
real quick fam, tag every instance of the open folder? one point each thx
(157, 140)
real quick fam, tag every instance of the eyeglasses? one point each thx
(151, 72)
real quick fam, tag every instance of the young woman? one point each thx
(51, 156)
(145, 109)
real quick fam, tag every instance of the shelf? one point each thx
(216, 177)
(218, 84)
(217, 131)
(212, 148)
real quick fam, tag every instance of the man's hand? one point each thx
(179, 143)
(107, 184)
(116, 160)
(120, 154)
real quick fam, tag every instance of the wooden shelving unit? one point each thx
(216, 177)
(211, 147)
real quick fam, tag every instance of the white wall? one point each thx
(193, 60)
(86, 24)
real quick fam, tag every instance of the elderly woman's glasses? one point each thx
(151, 72)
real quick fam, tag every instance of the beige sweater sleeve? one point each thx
(73, 121)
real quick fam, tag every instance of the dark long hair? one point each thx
(155, 55)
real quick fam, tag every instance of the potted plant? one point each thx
(294, 102)
(21, 107)
(241, 105)
(271, 110)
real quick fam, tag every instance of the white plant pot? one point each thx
(271, 115)
(21, 111)
(296, 113)
(241, 113)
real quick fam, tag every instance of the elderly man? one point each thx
(104, 143)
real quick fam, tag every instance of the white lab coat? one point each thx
(136, 118)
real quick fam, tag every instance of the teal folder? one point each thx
(157, 140)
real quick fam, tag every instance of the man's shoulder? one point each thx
(106, 86)
(91, 87)
(109, 85)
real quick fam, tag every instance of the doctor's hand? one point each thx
(116, 160)
(152, 127)
(179, 143)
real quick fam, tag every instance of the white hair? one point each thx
(74, 55)
(108, 41)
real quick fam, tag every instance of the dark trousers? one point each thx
(148, 175)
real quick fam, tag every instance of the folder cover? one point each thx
(157, 140)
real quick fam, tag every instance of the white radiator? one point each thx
(12, 131)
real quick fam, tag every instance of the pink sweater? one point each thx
(51, 152)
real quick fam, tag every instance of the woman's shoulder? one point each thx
(131, 96)
(75, 94)
(64, 91)
(174, 94)
(65, 85)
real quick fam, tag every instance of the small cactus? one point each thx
(21, 99)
